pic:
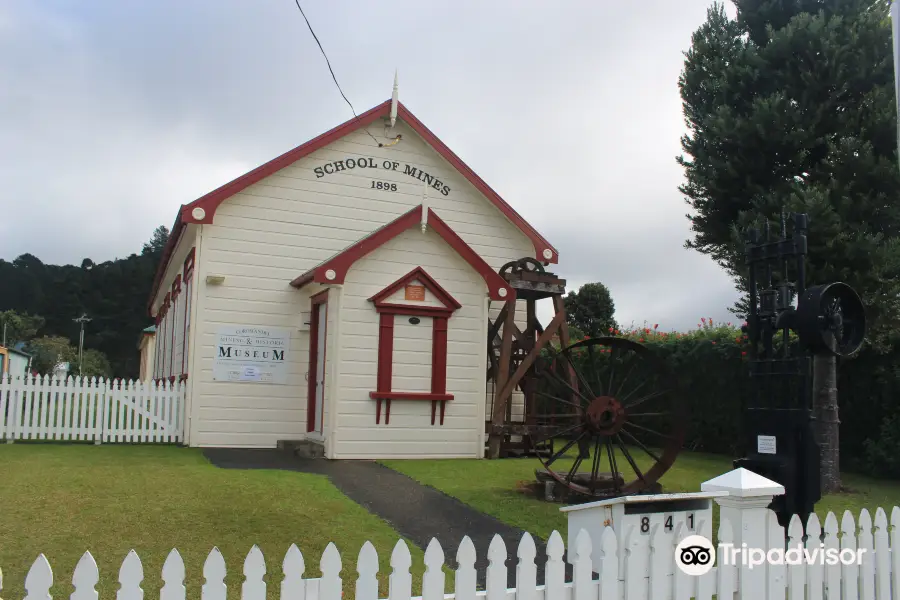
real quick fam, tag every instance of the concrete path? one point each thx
(418, 512)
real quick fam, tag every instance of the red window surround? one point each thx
(157, 350)
(440, 315)
(188, 276)
(176, 290)
(165, 313)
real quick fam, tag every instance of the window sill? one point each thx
(408, 396)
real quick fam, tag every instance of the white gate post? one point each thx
(746, 509)
(101, 398)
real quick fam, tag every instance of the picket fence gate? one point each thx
(97, 410)
(649, 570)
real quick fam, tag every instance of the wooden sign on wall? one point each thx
(415, 293)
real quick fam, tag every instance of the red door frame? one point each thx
(315, 301)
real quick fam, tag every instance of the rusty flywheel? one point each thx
(610, 409)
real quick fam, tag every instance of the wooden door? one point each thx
(318, 331)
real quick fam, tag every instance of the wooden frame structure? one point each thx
(512, 354)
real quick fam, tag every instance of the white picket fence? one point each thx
(97, 410)
(649, 570)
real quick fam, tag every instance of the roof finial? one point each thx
(425, 209)
(394, 100)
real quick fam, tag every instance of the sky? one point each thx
(113, 113)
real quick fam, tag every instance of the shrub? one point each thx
(710, 363)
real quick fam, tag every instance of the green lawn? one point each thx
(62, 500)
(491, 487)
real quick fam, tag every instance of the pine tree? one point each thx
(790, 107)
(590, 310)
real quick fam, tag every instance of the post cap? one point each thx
(741, 483)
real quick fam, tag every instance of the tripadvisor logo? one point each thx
(696, 555)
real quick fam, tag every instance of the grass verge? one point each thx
(493, 487)
(61, 500)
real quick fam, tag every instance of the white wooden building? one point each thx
(340, 293)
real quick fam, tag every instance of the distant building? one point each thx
(14, 362)
(147, 348)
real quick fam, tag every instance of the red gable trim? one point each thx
(539, 242)
(211, 201)
(498, 288)
(169, 248)
(417, 274)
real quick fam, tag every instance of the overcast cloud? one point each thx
(114, 113)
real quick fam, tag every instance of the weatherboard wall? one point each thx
(266, 235)
(169, 338)
(246, 414)
(410, 434)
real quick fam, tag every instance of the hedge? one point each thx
(710, 362)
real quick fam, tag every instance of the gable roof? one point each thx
(203, 209)
(418, 274)
(334, 270)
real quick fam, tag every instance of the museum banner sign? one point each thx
(245, 353)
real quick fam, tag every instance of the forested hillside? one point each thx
(113, 294)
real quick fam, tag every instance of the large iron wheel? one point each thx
(613, 401)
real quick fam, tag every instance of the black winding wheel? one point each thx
(619, 428)
(831, 319)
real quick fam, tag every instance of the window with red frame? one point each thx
(388, 311)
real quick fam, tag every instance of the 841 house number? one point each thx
(384, 185)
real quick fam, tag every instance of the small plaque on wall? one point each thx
(415, 292)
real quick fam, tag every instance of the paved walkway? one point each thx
(418, 512)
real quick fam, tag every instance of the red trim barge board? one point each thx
(209, 203)
(417, 274)
(334, 270)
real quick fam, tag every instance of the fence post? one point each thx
(746, 510)
(101, 399)
(5, 380)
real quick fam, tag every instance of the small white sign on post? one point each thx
(245, 353)
(765, 444)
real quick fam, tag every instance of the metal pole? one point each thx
(82, 320)
(895, 29)
(81, 350)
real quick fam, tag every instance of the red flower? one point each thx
(729, 323)
(655, 325)
(611, 329)
(646, 330)
(703, 319)
(641, 340)
(743, 354)
(713, 343)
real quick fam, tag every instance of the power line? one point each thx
(315, 37)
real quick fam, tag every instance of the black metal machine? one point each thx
(779, 437)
